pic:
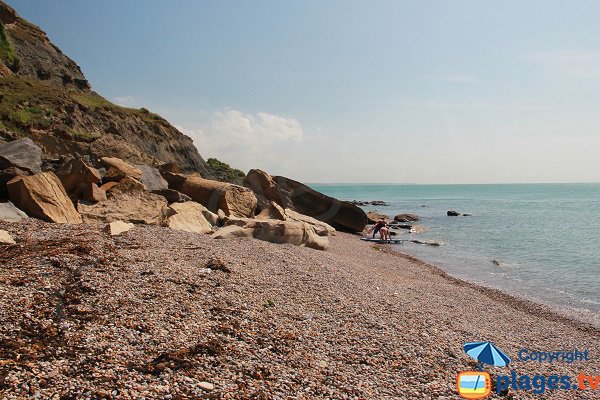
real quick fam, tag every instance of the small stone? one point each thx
(207, 386)
(5, 238)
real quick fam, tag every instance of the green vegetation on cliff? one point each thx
(7, 52)
(224, 172)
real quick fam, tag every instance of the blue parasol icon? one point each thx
(487, 353)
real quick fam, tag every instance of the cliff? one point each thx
(45, 96)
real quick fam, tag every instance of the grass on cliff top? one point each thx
(28, 103)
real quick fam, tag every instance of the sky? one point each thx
(323, 91)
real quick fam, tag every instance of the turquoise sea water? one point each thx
(546, 237)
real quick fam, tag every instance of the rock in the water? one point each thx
(22, 154)
(234, 200)
(43, 196)
(301, 198)
(274, 231)
(172, 196)
(6, 238)
(187, 217)
(117, 227)
(152, 179)
(453, 213)
(374, 216)
(135, 206)
(77, 178)
(427, 242)
(406, 218)
(117, 169)
(378, 203)
(10, 213)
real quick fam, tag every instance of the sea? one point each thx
(540, 242)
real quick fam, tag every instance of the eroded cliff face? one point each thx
(45, 96)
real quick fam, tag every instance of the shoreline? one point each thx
(537, 308)
(144, 314)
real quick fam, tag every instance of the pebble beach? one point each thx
(162, 314)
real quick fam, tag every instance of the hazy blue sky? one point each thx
(355, 91)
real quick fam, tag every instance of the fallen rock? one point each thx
(374, 217)
(453, 213)
(43, 196)
(234, 200)
(272, 211)
(187, 217)
(152, 179)
(298, 197)
(127, 184)
(322, 228)
(136, 206)
(92, 193)
(10, 213)
(6, 238)
(117, 169)
(22, 154)
(172, 196)
(108, 185)
(274, 231)
(406, 218)
(117, 227)
(6, 175)
(77, 177)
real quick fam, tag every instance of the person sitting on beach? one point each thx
(377, 227)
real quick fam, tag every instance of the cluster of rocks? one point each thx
(114, 192)
(361, 203)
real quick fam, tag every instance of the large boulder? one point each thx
(406, 218)
(117, 169)
(22, 154)
(274, 231)
(275, 211)
(234, 200)
(188, 217)
(322, 228)
(10, 213)
(152, 179)
(301, 198)
(128, 202)
(43, 196)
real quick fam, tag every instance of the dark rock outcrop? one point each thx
(453, 213)
(22, 154)
(291, 194)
